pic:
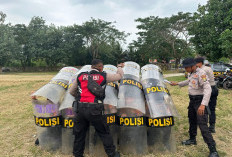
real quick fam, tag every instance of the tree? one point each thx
(8, 44)
(163, 38)
(210, 21)
(74, 46)
(2, 17)
(98, 32)
(226, 40)
(7, 41)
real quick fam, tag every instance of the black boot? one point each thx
(116, 154)
(37, 142)
(213, 151)
(190, 142)
(212, 128)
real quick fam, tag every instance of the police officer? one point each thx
(90, 108)
(214, 94)
(199, 94)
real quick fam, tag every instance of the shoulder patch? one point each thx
(203, 78)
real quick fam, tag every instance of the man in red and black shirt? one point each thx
(90, 108)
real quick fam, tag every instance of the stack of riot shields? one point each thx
(46, 112)
(110, 104)
(161, 110)
(68, 116)
(131, 110)
(140, 115)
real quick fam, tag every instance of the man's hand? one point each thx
(121, 65)
(33, 97)
(201, 110)
(173, 83)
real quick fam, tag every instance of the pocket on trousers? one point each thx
(96, 110)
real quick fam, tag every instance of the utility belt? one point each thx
(195, 97)
(77, 104)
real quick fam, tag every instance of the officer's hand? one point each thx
(121, 65)
(173, 83)
(201, 110)
(33, 97)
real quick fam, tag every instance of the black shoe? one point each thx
(190, 142)
(37, 142)
(212, 128)
(213, 151)
(213, 154)
(116, 154)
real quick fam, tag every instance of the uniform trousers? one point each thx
(212, 105)
(198, 120)
(89, 113)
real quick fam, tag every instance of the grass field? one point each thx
(17, 128)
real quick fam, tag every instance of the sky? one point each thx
(69, 12)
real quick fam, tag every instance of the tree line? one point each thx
(206, 32)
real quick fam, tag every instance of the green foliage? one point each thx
(210, 21)
(41, 45)
(162, 38)
(224, 60)
(226, 40)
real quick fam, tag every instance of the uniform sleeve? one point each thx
(183, 83)
(204, 82)
(114, 77)
(73, 90)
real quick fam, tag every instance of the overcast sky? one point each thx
(69, 12)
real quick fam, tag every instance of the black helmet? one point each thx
(188, 62)
(199, 59)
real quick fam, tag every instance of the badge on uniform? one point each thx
(194, 83)
(204, 77)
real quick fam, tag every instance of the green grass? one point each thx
(176, 78)
(18, 129)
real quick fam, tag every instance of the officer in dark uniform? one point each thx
(214, 94)
(199, 94)
(90, 108)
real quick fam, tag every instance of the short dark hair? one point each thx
(199, 59)
(96, 62)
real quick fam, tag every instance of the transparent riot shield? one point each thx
(161, 110)
(67, 131)
(53, 91)
(65, 73)
(68, 98)
(130, 90)
(68, 121)
(48, 124)
(85, 68)
(56, 88)
(131, 110)
(110, 105)
(158, 98)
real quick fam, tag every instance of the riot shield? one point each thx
(158, 98)
(110, 104)
(161, 110)
(68, 98)
(130, 90)
(48, 124)
(68, 115)
(131, 110)
(65, 73)
(56, 88)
